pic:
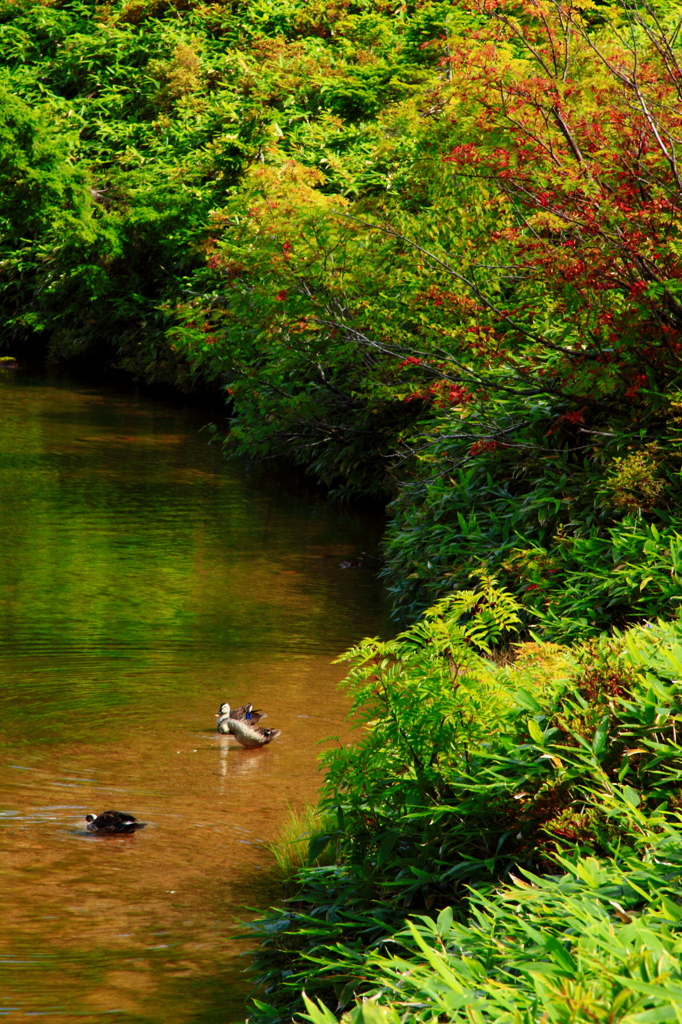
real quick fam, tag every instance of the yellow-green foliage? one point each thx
(528, 811)
(633, 482)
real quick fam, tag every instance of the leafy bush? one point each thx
(471, 304)
(601, 942)
(467, 773)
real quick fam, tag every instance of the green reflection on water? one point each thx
(140, 584)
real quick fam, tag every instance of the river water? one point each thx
(142, 583)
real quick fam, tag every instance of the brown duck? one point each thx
(248, 735)
(245, 713)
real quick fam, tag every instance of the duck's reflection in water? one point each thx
(242, 761)
(223, 749)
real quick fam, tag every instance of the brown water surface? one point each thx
(142, 583)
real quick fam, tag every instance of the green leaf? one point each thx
(316, 847)
(631, 796)
(588, 870)
(561, 956)
(536, 733)
(386, 847)
(318, 1012)
(444, 921)
(600, 737)
(526, 700)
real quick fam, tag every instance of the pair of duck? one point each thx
(242, 723)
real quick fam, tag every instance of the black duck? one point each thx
(113, 823)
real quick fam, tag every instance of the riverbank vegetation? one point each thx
(507, 834)
(431, 252)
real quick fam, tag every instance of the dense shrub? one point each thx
(485, 324)
(519, 804)
(601, 942)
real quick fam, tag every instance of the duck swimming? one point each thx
(248, 735)
(113, 823)
(245, 713)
